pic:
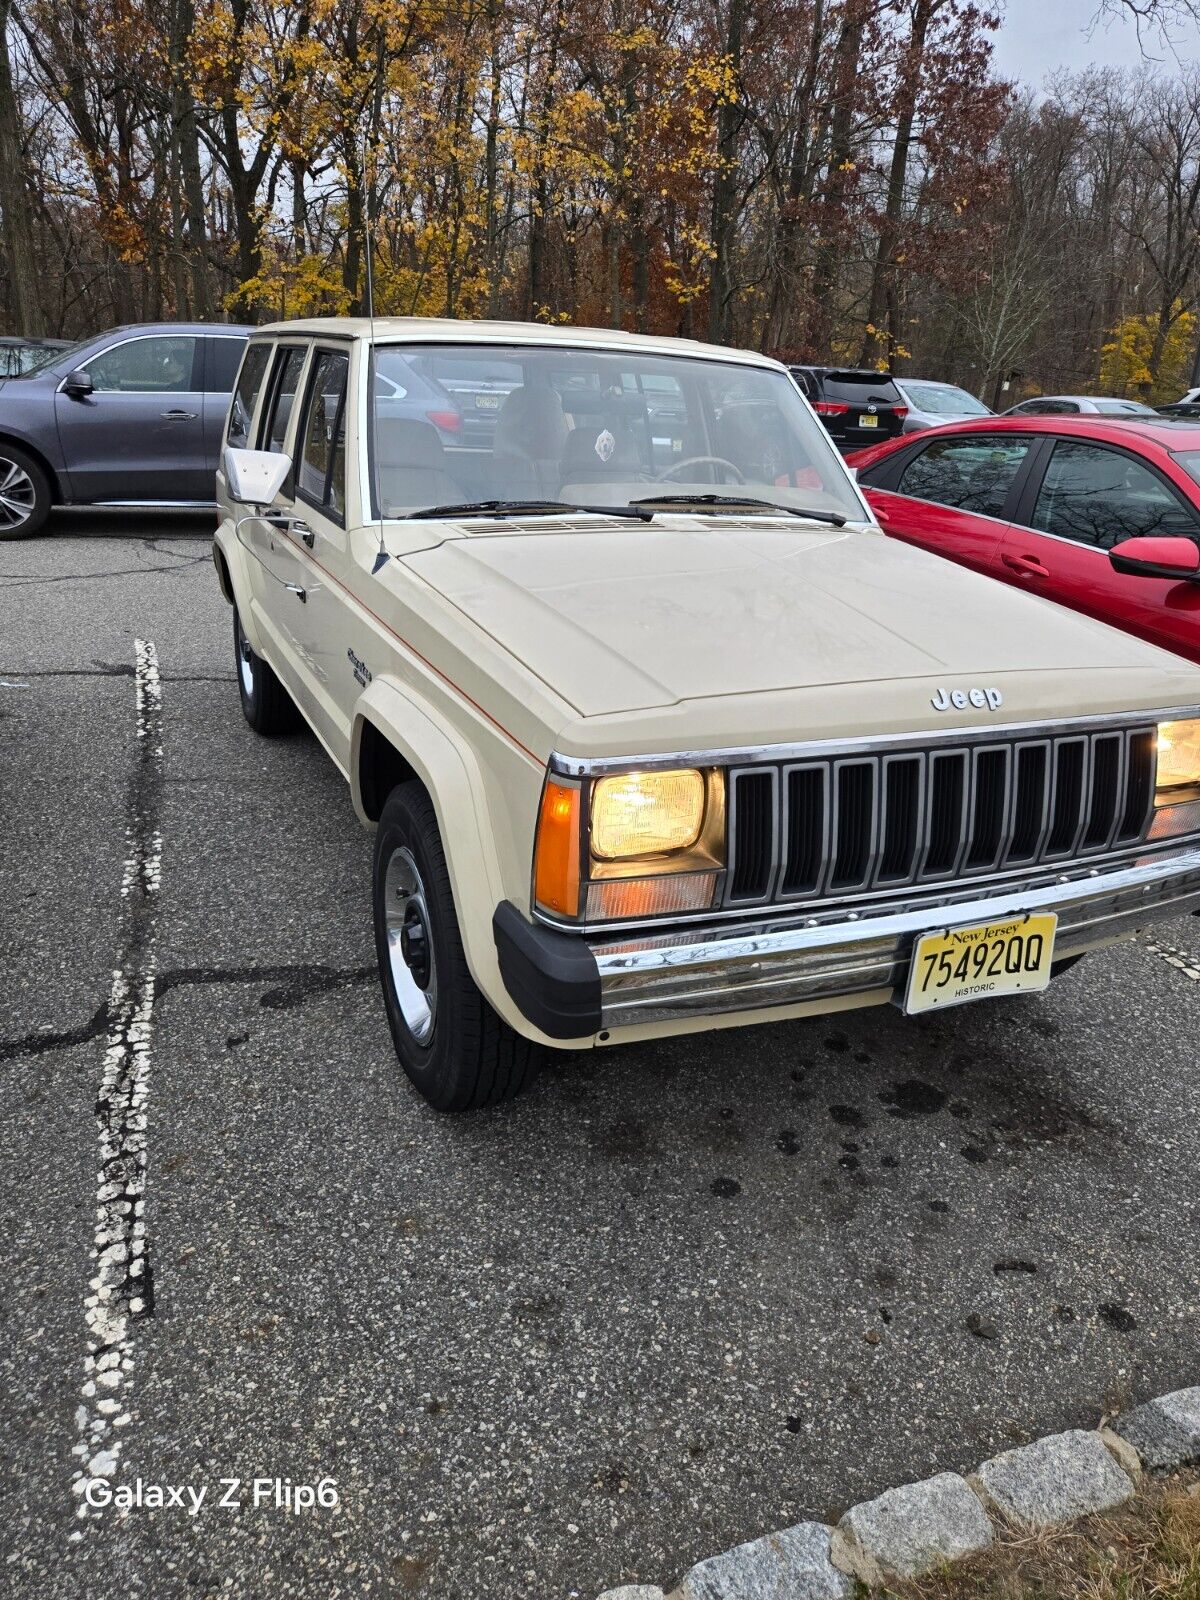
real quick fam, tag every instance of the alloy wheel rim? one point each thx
(17, 494)
(410, 945)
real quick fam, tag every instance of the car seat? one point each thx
(412, 466)
(531, 427)
(599, 452)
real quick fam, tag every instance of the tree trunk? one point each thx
(793, 225)
(17, 232)
(883, 276)
(725, 190)
(829, 252)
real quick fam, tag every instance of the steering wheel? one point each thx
(677, 467)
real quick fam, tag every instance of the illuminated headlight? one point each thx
(646, 814)
(1178, 778)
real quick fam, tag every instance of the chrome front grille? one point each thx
(841, 826)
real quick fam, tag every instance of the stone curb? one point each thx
(918, 1527)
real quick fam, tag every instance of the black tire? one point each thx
(24, 494)
(469, 1057)
(266, 704)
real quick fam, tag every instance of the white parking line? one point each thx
(1188, 965)
(121, 1291)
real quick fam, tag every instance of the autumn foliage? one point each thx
(821, 178)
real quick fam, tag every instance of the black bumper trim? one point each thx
(552, 977)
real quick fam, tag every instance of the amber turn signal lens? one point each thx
(556, 869)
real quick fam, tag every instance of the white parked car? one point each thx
(932, 404)
(656, 730)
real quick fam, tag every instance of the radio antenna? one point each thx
(381, 555)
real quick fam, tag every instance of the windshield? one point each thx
(38, 360)
(944, 400)
(458, 424)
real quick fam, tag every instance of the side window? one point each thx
(223, 356)
(322, 476)
(1099, 497)
(158, 364)
(245, 396)
(971, 474)
(285, 380)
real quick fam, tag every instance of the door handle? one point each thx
(1026, 566)
(303, 530)
(300, 593)
(178, 414)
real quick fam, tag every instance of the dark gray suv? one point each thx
(132, 417)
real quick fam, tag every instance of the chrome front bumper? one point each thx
(721, 968)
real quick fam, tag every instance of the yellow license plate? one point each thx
(978, 963)
(867, 421)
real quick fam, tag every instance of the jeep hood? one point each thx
(635, 616)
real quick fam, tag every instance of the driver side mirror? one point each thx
(255, 477)
(78, 384)
(1169, 557)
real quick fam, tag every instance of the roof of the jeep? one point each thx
(447, 330)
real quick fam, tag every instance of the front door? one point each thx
(952, 496)
(277, 579)
(334, 674)
(1091, 497)
(139, 436)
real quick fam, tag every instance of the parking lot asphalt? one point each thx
(675, 1297)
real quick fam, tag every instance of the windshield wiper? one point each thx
(726, 502)
(524, 508)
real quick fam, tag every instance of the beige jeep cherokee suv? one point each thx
(656, 729)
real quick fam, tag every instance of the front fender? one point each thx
(231, 559)
(448, 767)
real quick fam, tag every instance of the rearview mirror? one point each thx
(78, 384)
(1172, 556)
(255, 477)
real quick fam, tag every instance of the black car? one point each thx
(858, 406)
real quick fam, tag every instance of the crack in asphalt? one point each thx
(18, 580)
(294, 985)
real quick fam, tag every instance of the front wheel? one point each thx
(450, 1042)
(266, 704)
(24, 494)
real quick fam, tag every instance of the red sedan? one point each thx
(1098, 513)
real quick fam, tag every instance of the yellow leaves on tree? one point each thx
(1144, 360)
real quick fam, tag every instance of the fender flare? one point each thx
(447, 768)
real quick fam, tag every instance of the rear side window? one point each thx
(1099, 497)
(860, 388)
(285, 380)
(245, 396)
(223, 356)
(972, 474)
(322, 476)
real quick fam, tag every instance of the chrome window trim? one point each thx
(917, 739)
